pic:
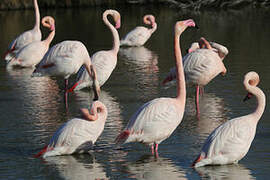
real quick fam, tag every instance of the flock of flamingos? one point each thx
(157, 119)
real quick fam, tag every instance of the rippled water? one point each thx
(32, 108)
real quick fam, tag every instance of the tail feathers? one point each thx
(9, 55)
(122, 137)
(199, 158)
(41, 152)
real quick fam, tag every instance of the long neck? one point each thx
(116, 40)
(180, 77)
(49, 39)
(260, 100)
(37, 25)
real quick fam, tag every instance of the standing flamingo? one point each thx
(77, 135)
(139, 35)
(26, 37)
(231, 141)
(65, 59)
(32, 53)
(157, 119)
(103, 61)
(201, 65)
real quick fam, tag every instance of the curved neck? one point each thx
(49, 39)
(116, 40)
(260, 100)
(154, 27)
(180, 77)
(37, 15)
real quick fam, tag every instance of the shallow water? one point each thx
(32, 108)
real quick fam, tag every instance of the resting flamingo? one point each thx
(65, 59)
(32, 53)
(231, 141)
(26, 37)
(157, 119)
(103, 61)
(139, 35)
(201, 65)
(77, 135)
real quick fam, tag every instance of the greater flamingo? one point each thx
(32, 53)
(201, 65)
(156, 120)
(139, 35)
(77, 135)
(103, 61)
(65, 59)
(26, 37)
(231, 141)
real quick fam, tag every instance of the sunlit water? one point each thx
(33, 108)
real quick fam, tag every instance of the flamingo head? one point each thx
(251, 79)
(48, 22)
(117, 19)
(180, 26)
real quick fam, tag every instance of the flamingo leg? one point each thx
(156, 150)
(197, 100)
(201, 91)
(152, 149)
(66, 93)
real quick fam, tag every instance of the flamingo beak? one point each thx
(248, 96)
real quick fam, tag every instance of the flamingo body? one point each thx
(139, 35)
(231, 141)
(77, 135)
(154, 121)
(26, 37)
(104, 63)
(63, 59)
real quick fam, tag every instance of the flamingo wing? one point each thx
(137, 36)
(154, 121)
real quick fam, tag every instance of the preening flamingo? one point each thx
(231, 141)
(77, 135)
(65, 59)
(156, 120)
(139, 35)
(201, 65)
(26, 37)
(103, 61)
(32, 53)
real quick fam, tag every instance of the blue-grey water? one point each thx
(31, 109)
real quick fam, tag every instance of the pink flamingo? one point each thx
(157, 119)
(231, 141)
(77, 135)
(32, 53)
(65, 59)
(103, 61)
(201, 65)
(139, 35)
(26, 37)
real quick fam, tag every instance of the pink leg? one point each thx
(66, 93)
(197, 100)
(156, 150)
(201, 91)
(152, 149)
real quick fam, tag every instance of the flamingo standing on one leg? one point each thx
(31, 54)
(231, 141)
(201, 65)
(77, 135)
(157, 119)
(65, 59)
(103, 61)
(26, 37)
(139, 35)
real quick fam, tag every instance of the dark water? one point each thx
(32, 108)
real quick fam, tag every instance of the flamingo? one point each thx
(139, 35)
(65, 59)
(157, 119)
(32, 53)
(103, 61)
(231, 141)
(26, 37)
(201, 65)
(77, 135)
